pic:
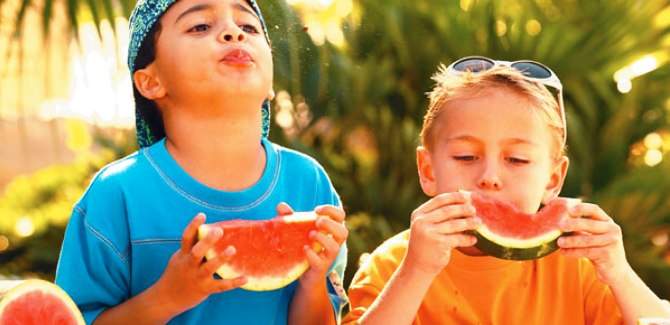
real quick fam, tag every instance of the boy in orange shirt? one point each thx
(493, 127)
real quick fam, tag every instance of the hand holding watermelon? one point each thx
(597, 237)
(331, 234)
(437, 226)
(187, 281)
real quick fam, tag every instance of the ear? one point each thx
(271, 95)
(148, 84)
(556, 180)
(426, 172)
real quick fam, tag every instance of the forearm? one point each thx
(636, 300)
(311, 304)
(400, 299)
(149, 307)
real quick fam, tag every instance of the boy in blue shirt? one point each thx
(201, 71)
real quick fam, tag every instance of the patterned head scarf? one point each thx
(145, 15)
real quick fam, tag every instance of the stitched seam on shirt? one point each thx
(194, 199)
(106, 242)
(154, 241)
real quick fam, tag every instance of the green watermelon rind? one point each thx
(40, 285)
(263, 283)
(539, 249)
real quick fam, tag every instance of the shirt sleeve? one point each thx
(600, 306)
(374, 273)
(93, 267)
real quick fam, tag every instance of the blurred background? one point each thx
(351, 78)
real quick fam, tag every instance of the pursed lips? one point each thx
(238, 57)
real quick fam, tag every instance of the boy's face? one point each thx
(209, 49)
(493, 142)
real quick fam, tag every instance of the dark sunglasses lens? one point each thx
(533, 70)
(473, 65)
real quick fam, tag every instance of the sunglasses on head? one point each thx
(531, 70)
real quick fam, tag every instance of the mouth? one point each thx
(238, 58)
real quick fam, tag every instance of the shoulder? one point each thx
(390, 253)
(296, 159)
(106, 192)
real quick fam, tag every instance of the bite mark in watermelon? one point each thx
(36, 302)
(510, 234)
(269, 253)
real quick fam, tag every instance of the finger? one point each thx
(210, 267)
(314, 259)
(584, 241)
(227, 284)
(457, 225)
(335, 213)
(337, 229)
(284, 209)
(443, 199)
(587, 225)
(330, 246)
(589, 210)
(460, 240)
(203, 246)
(449, 212)
(191, 231)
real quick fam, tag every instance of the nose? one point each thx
(232, 33)
(490, 178)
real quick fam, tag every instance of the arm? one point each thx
(311, 303)
(598, 238)
(437, 227)
(636, 300)
(185, 283)
(401, 298)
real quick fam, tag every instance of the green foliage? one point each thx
(45, 200)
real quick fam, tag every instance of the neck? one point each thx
(222, 151)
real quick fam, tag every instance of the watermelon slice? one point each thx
(269, 253)
(36, 302)
(510, 234)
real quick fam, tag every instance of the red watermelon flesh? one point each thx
(36, 302)
(508, 233)
(269, 253)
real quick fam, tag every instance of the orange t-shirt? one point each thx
(485, 290)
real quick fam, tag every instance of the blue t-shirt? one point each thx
(129, 222)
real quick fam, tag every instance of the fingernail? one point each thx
(312, 234)
(230, 250)
(561, 241)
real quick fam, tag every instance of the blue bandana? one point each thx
(145, 15)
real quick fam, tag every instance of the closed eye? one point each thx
(465, 158)
(520, 161)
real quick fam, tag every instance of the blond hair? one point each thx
(452, 85)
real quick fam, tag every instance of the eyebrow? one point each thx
(510, 141)
(467, 138)
(518, 141)
(239, 6)
(205, 6)
(196, 8)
